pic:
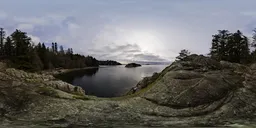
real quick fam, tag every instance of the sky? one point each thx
(128, 30)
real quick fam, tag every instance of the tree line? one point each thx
(109, 62)
(233, 47)
(18, 51)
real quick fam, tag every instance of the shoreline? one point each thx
(60, 71)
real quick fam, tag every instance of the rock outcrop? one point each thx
(46, 80)
(132, 65)
(196, 91)
(146, 81)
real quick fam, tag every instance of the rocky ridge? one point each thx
(196, 91)
(11, 74)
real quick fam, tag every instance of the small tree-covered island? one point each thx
(132, 65)
(109, 62)
(217, 89)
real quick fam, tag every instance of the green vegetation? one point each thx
(109, 62)
(226, 46)
(20, 52)
(131, 65)
(183, 53)
(14, 99)
(80, 97)
(48, 91)
(232, 47)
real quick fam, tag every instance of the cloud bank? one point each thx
(134, 30)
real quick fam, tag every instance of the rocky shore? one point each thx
(196, 91)
(60, 71)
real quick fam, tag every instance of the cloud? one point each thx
(148, 57)
(3, 15)
(129, 30)
(47, 26)
(26, 27)
(32, 20)
(126, 52)
(35, 39)
(126, 48)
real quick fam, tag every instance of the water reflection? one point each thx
(70, 76)
(110, 81)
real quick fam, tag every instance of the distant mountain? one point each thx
(151, 63)
(109, 62)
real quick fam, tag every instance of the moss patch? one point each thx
(48, 91)
(81, 97)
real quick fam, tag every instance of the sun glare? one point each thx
(147, 41)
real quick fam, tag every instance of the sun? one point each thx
(147, 41)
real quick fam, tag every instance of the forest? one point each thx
(18, 51)
(109, 62)
(233, 47)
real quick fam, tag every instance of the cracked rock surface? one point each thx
(196, 91)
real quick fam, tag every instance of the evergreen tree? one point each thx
(245, 53)
(2, 37)
(36, 63)
(183, 53)
(238, 48)
(253, 54)
(68, 51)
(71, 51)
(23, 54)
(55, 47)
(21, 42)
(43, 47)
(254, 38)
(233, 47)
(39, 47)
(45, 57)
(62, 50)
(219, 43)
(8, 47)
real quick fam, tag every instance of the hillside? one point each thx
(195, 91)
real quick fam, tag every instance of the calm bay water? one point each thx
(109, 81)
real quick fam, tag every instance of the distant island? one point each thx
(131, 65)
(151, 62)
(109, 62)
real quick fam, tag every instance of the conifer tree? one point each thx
(183, 53)
(2, 37)
(55, 47)
(219, 43)
(62, 50)
(8, 47)
(36, 63)
(21, 42)
(233, 47)
(25, 55)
